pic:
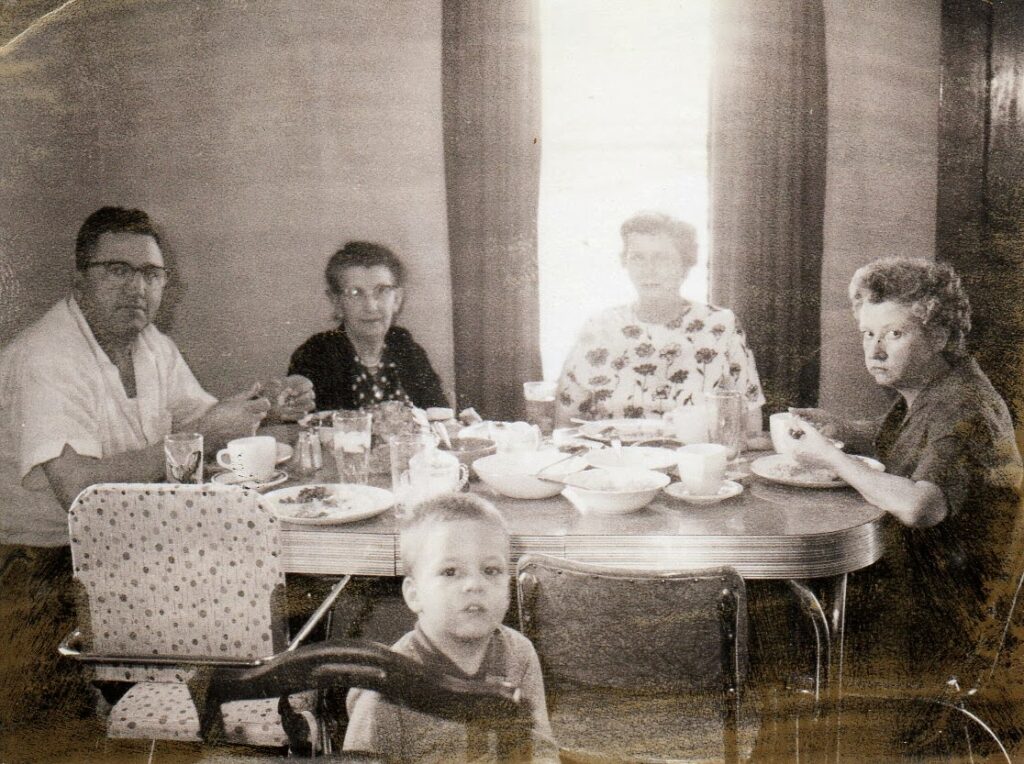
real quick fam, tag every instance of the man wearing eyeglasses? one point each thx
(87, 394)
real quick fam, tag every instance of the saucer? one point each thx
(230, 478)
(726, 490)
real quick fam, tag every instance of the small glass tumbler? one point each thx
(727, 420)
(403, 449)
(183, 457)
(540, 404)
(352, 433)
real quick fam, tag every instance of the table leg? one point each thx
(827, 613)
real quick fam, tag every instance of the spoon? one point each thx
(538, 474)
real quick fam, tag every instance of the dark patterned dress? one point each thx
(341, 381)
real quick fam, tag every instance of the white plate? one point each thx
(363, 501)
(726, 490)
(284, 453)
(777, 468)
(230, 478)
(626, 430)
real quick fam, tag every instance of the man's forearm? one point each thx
(70, 473)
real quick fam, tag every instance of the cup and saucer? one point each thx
(726, 490)
(702, 475)
(250, 462)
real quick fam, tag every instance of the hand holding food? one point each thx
(808, 446)
(829, 424)
(234, 417)
(290, 397)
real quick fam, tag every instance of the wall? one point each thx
(883, 60)
(981, 163)
(260, 136)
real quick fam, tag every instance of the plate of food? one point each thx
(329, 504)
(778, 468)
(626, 430)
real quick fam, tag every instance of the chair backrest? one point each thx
(178, 570)
(634, 629)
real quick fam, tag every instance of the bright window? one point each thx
(625, 123)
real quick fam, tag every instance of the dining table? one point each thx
(811, 538)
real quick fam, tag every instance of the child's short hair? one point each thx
(449, 508)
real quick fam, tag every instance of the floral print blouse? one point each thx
(624, 367)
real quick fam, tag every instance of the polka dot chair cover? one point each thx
(190, 571)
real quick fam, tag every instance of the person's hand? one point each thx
(809, 446)
(829, 424)
(291, 398)
(234, 417)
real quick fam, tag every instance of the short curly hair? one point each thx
(682, 234)
(448, 508)
(362, 254)
(931, 290)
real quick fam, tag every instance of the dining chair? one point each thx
(640, 664)
(978, 705)
(171, 578)
(493, 707)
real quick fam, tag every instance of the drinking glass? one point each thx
(352, 432)
(403, 449)
(183, 457)
(727, 420)
(540, 404)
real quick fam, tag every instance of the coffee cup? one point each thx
(250, 458)
(702, 467)
(433, 472)
(779, 426)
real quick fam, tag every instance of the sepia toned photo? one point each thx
(580, 381)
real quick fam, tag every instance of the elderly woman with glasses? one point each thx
(952, 469)
(663, 351)
(366, 360)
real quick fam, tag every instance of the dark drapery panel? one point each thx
(767, 175)
(491, 102)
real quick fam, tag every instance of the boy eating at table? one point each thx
(455, 551)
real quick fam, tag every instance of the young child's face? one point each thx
(459, 583)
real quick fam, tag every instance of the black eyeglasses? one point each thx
(379, 292)
(124, 272)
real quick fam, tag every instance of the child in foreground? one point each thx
(455, 551)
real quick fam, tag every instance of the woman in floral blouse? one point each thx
(661, 352)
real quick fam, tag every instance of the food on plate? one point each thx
(311, 493)
(321, 501)
(795, 471)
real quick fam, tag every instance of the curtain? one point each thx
(491, 103)
(767, 176)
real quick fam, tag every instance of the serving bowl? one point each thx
(632, 458)
(468, 450)
(613, 492)
(513, 474)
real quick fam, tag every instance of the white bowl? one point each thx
(614, 492)
(512, 473)
(632, 458)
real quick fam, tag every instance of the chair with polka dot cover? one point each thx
(172, 578)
